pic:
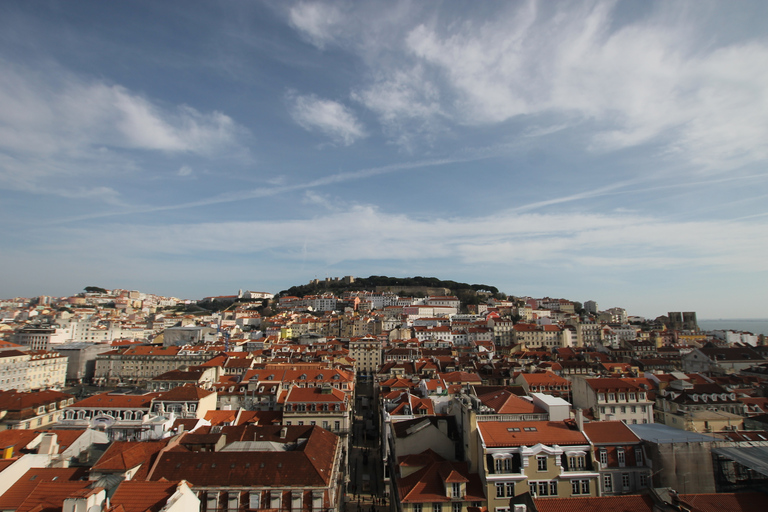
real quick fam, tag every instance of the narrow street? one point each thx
(366, 490)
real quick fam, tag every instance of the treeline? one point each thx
(394, 284)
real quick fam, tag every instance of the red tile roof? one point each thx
(528, 433)
(631, 503)
(609, 432)
(25, 486)
(135, 496)
(309, 464)
(505, 402)
(123, 455)
(427, 484)
(117, 401)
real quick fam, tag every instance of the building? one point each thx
(35, 409)
(367, 353)
(25, 371)
(613, 399)
(325, 406)
(699, 407)
(543, 458)
(123, 416)
(34, 337)
(273, 467)
(619, 458)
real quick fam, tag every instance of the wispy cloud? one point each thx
(317, 21)
(362, 232)
(658, 78)
(327, 116)
(55, 124)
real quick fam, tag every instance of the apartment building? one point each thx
(613, 399)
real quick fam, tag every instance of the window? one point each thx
(499, 490)
(436, 507)
(541, 462)
(611, 397)
(622, 397)
(417, 507)
(607, 483)
(579, 487)
(623, 409)
(625, 481)
(621, 456)
(456, 490)
(632, 397)
(604, 457)
(643, 480)
(576, 462)
(510, 489)
(633, 408)
(456, 507)
(638, 456)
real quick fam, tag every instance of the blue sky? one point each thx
(613, 151)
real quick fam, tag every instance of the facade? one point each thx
(283, 468)
(124, 417)
(613, 399)
(367, 353)
(699, 407)
(28, 410)
(543, 458)
(136, 365)
(326, 407)
(81, 359)
(36, 338)
(619, 457)
(25, 371)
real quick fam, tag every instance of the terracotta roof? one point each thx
(427, 484)
(19, 439)
(17, 401)
(49, 496)
(184, 393)
(117, 400)
(310, 464)
(506, 402)
(528, 433)
(610, 384)
(123, 455)
(220, 417)
(297, 394)
(630, 503)
(609, 432)
(135, 496)
(25, 486)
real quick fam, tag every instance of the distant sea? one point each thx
(753, 325)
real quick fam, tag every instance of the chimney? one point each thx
(579, 420)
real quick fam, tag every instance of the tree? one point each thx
(95, 289)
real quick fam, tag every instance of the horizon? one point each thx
(588, 150)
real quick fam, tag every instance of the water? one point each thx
(753, 325)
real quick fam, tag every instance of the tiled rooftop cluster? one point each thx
(510, 403)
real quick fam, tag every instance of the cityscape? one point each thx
(395, 398)
(383, 256)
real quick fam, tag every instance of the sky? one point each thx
(607, 151)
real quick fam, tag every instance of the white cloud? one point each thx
(327, 116)
(185, 170)
(316, 21)
(55, 124)
(556, 241)
(656, 78)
